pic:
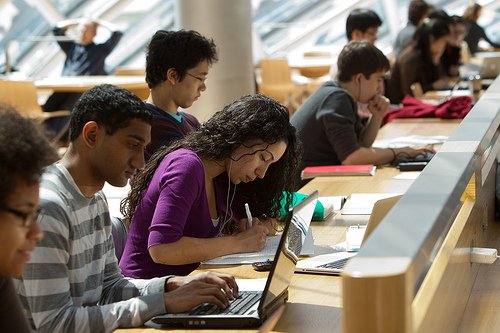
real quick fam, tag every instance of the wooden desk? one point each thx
(134, 83)
(315, 301)
(312, 68)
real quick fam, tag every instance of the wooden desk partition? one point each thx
(414, 273)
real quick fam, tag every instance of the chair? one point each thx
(119, 232)
(22, 95)
(276, 82)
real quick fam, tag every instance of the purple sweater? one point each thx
(173, 205)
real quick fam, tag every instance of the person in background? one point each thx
(474, 31)
(420, 61)
(417, 11)
(453, 55)
(24, 152)
(328, 123)
(73, 282)
(362, 24)
(195, 189)
(177, 66)
(82, 58)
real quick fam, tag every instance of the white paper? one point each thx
(362, 203)
(409, 175)
(411, 140)
(267, 253)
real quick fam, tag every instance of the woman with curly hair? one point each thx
(195, 189)
(24, 151)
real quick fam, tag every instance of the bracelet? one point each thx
(393, 153)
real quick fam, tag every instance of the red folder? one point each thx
(338, 170)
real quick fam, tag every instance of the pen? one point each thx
(249, 215)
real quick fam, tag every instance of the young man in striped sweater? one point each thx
(73, 283)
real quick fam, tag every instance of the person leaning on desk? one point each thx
(328, 122)
(72, 282)
(195, 190)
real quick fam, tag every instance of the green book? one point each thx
(324, 207)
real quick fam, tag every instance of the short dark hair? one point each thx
(361, 19)
(110, 106)
(360, 57)
(24, 151)
(181, 50)
(417, 10)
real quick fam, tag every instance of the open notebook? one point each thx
(253, 307)
(333, 263)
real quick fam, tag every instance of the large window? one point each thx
(281, 27)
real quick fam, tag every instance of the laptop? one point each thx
(333, 263)
(486, 64)
(252, 308)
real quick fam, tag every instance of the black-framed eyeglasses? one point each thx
(28, 219)
(201, 79)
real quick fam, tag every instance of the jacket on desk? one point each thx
(455, 107)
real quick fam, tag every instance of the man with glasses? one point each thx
(177, 65)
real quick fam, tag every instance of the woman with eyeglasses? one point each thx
(24, 151)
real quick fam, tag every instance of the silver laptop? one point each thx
(333, 263)
(252, 308)
(488, 64)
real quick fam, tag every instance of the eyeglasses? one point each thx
(201, 79)
(28, 219)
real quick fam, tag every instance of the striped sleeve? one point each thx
(72, 282)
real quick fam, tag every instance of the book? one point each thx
(338, 170)
(324, 207)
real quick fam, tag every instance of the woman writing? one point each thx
(194, 190)
(24, 151)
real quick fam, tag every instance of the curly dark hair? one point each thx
(110, 106)
(252, 117)
(180, 50)
(24, 151)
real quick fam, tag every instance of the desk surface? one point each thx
(315, 301)
(83, 83)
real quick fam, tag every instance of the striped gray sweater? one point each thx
(72, 282)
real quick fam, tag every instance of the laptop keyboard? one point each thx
(240, 305)
(337, 264)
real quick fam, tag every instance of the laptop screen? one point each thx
(296, 226)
